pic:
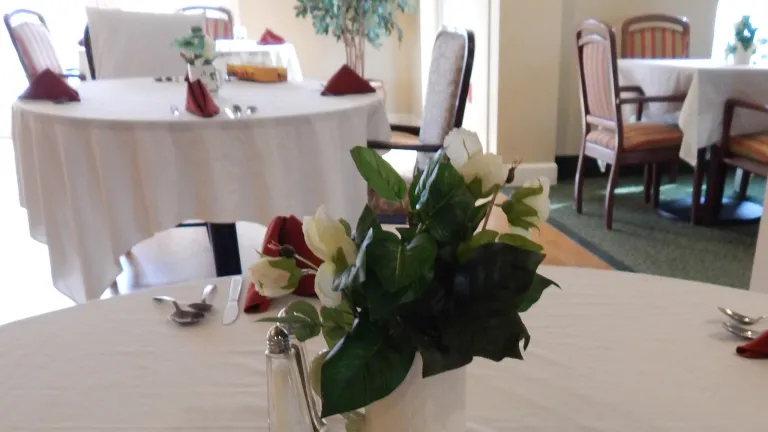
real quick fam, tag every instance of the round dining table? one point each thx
(128, 161)
(610, 351)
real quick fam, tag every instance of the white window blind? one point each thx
(730, 11)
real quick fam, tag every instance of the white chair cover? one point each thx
(135, 44)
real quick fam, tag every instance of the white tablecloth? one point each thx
(709, 84)
(610, 352)
(250, 52)
(99, 176)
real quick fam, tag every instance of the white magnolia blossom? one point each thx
(324, 285)
(539, 202)
(465, 151)
(209, 49)
(325, 235)
(460, 145)
(269, 281)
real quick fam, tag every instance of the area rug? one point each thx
(645, 242)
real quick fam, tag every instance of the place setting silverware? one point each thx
(741, 331)
(175, 110)
(236, 111)
(741, 318)
(194, 312)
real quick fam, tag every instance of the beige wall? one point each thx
(700, 13)
(397, 64)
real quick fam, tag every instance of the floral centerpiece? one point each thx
(438, 293)
(743, 47)
(199, 52)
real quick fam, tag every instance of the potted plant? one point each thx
(198, 51)
(403, 313)
(743, 47)
(355, 23)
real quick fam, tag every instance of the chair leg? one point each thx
(698, 179)
(743, 185)
(715, 186)
(647, 183)
(578, 188)
(656, 181)
(613, 181)
(674, 169)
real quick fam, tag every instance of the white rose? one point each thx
(270, 281)
(460, 145)
(208, 49)
(539, 202)
(325, 235)
(489, 168)
(324, 285)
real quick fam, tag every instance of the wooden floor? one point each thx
(562, 251)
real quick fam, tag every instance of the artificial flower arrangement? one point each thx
(444, 287)
(744, 38)
(196, 48)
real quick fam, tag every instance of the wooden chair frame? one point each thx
(7, 19)
(676, 21)
(597, 32)
(721, 157)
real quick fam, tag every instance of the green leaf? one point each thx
(518, 214)
(406, 233)
(398, 264)
(527, 192)
(379, 174)
(413, 197)
(302, 317)
(288, 265)
(336, 323)
(521, 242)
(305, 309)
(347, 227)
(444, 204)
(540, 283)
(364, 367)
(480, 238)
(365, 223)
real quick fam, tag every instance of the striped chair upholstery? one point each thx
(656, 36)
(598, 80)
(638, 136)
(753, 146)
(218, 28)
(35, 48)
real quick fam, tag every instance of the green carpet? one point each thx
(643, 241)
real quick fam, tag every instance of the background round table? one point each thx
(99, 176)
(610, 352)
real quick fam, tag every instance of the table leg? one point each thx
(226, 250)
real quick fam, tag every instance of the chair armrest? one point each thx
(409, 129)
(632, 89)
(740, 103)
(386, 145)
(653, 99)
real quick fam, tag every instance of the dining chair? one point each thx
(748, 152)
(450, 71)
(34, 45)
(605, 136)
(219, 23)
(656, 36)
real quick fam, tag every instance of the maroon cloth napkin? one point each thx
(346, 81)
(47, 85)
(270, 38)
(284, 231)
(755, 349)
(199, 101)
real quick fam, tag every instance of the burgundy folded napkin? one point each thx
(270, 38)
(283, 231)
(346, 81)
(756, 349)
(47, 85)
(199, 101)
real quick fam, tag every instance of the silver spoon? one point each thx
(742, 319)
(238, 110)
(250, 110)
(185, 317)
(175, 110)
(741, 331)
(203, 305)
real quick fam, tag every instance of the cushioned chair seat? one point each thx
(754, 146)
(639, 136)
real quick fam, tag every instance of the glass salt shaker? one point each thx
(288, 408)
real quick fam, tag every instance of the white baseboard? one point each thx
(532, 171)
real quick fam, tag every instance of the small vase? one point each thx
(434, 404)
(742, 57)
(207, 74)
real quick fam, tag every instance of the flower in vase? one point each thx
(465, 151)
(275, 277)
(324, 285)
(325, 236)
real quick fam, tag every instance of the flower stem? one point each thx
(490, 208)
(276, 246)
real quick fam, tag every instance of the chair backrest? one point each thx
(448, 84)
(219, 23)
(30, 37)
(126, 44)
(596, 43)
(656, 36)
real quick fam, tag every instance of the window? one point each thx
(730, 11)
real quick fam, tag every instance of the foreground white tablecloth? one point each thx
(99, 176)
(610, 352)
(709, 84)
(251, 52)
